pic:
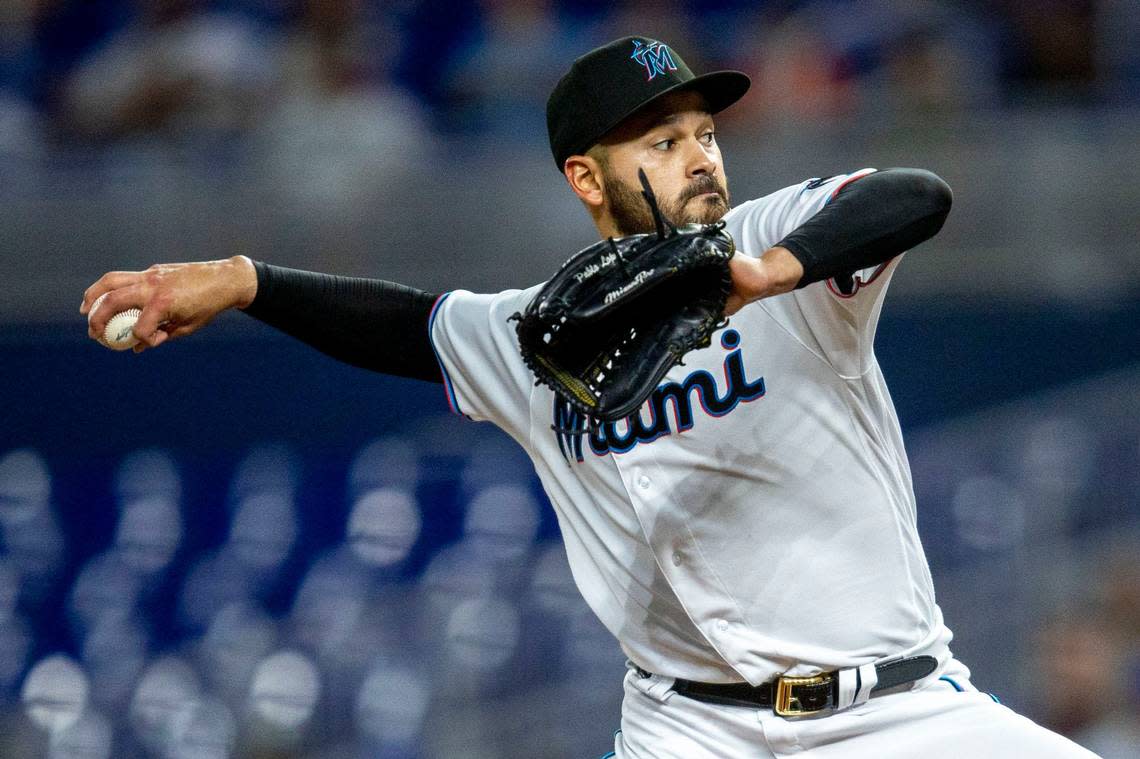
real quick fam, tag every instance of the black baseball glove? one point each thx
(618, 315)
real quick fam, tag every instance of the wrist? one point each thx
(243, 275)
(782, 271)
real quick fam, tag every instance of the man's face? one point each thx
(675, 144)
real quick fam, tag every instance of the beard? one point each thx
(632, 216)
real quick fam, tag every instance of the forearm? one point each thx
(869, 221)
(370, 323)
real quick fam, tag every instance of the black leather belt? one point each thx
(800, 696)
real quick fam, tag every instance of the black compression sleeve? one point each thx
(869, 221)
(368, 323)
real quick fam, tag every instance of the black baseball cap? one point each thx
(612, 82)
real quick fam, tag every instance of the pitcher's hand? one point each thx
(175, 299)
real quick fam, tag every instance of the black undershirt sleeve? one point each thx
(368, 323)
(869, 221)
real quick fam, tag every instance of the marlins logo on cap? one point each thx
(654, 56)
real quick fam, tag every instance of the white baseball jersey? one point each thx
(757, 516)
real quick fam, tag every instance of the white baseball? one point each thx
(118, 334)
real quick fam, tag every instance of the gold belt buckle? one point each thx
(787, 703)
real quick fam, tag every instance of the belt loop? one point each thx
(848, 688)
(657, 687)
(855, 685)
(868, 678)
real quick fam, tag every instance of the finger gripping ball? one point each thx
(118, 335)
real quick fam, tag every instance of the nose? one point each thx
(701, 158)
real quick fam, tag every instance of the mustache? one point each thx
(702, 184)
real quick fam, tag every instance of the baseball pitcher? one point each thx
(747, 532)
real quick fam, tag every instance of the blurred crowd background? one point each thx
(107, 71)
(235, 547)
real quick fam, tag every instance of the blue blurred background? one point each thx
(236, 547)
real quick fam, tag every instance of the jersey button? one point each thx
(677, 559)
(643, 482)
(722, 625)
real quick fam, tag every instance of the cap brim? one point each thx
(719, 88)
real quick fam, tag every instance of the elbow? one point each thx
(936, 196)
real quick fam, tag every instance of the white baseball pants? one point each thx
(943, 716)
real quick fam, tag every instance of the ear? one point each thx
(585, 177)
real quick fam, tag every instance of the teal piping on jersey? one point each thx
(452, 401)
(960, 689)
